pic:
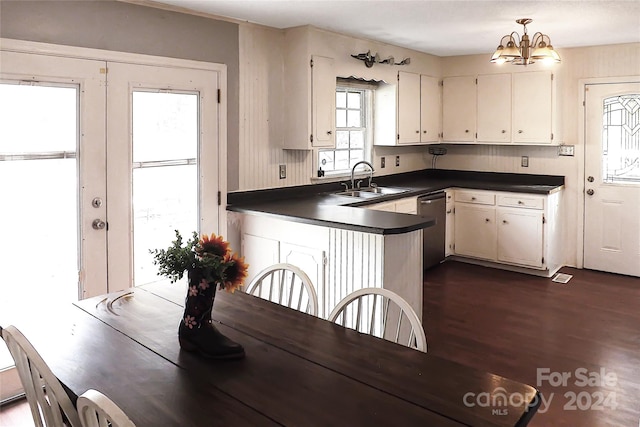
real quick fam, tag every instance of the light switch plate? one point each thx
(397, 161)
(382, 163)
(566, 150)
(525, 162)
(282, 171)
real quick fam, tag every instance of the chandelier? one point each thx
(522, 51)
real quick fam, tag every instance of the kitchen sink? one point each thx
(372, 192)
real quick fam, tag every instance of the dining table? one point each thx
(299, 370)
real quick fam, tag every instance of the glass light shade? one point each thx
(511, 51)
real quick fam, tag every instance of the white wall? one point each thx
(263, 93)
(577, 64)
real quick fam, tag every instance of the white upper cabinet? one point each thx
(459, 109)
(323, 95)
(310, 95)
(418, 111)
(513, 108)
(430, 109)
(533, 107)
(494, 108)
(408, 108)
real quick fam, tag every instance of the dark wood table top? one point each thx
(299, 369)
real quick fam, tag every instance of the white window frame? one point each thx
(368, 100)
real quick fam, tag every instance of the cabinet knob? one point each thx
(504, 131)
(329, 132)
(473, 198)
(487, 220)
(504, 221)
(424, 131)
(449, 211)
(466, 131)
(520, 131)
(520, 202)
(417, 131)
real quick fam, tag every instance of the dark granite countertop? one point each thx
(319, 205)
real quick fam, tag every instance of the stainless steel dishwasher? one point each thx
(433, 205)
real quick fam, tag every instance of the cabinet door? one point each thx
(430, 111)
(449, 230)
(408, 108)
(494, 108)
(323, 95)
(475, 230)
(311, 261)
(532, 107)
(459, 108)
(520, 236)
(260, 253)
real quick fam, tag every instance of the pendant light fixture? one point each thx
(523, 51)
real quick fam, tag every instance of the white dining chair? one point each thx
(361, 311)
(97, 410)
(49, 403)
(287, 285)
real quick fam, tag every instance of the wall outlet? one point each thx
(566, 150)
(524, 162)
(397, 161)
(282, 171)
(382, 163)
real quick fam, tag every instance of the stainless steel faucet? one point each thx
(353, 171)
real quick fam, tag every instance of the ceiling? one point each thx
(442, 28)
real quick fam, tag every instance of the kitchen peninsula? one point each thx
(343, 246)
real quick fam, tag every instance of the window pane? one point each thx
(353, 118)
(621, 139)
(164, 200)
(326, 160)
(342, 160)
(357, 139)
(342, 139)
(356, 156)
(37, 119)
(341, 100)
(165, 126)
(353, 100)
(341, 118)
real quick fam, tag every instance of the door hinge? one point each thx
(311, 138)
(398, 137)
(219, 198)
(476, 135)
(551, 76)
(544, 220)
(311, 63)
(476, 81)
(219, 95)
(543, 260)
(552, 136)
(441, 83)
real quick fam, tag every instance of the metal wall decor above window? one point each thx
(621, 139)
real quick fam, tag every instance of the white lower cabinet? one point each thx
(449, 236)
(310, 259)
(515, 229)
(475, 230)
(520, 236)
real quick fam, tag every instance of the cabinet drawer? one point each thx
(475, 197)
(521, 201)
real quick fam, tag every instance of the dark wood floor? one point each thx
(513, 324)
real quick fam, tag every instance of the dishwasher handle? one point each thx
(430, 198)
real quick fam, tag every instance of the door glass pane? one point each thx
(621, 139)
(165, 175)
(39, 194)
(165, 126)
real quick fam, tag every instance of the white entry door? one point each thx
(163, 163)
(52, 163)
(612, 178)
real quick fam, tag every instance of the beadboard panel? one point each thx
(262, 94)
(577, 64)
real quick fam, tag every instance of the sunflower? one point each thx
(235, 273)
(213, 245)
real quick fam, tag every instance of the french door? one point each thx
(612, 178)
(100, 162)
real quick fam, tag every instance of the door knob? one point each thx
(590, 179)
(590, 192)
(98, 224)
